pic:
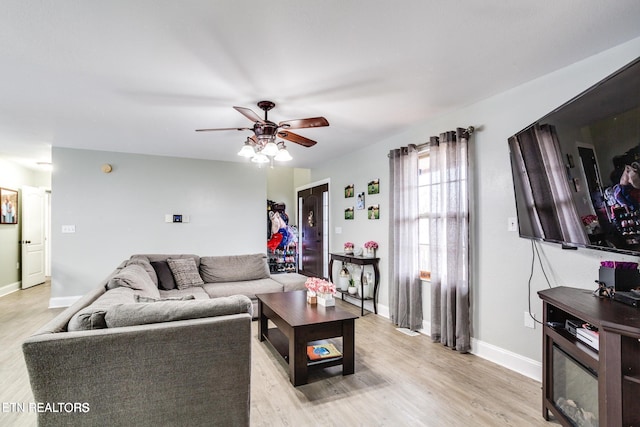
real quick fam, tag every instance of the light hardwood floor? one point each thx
(399, 380)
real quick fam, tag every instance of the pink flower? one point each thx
(320, 286)
(371, 245)
(348, 245)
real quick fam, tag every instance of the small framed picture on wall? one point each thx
(373, 212)
(360, 201)
(349, 191)
(348, 213)
(9, 200)
(373, 187)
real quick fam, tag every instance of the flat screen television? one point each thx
(576, 171)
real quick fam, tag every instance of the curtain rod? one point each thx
(469, 130)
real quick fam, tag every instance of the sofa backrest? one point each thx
(234, 268)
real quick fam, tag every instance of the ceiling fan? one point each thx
(265, 131)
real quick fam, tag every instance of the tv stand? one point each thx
(615, 364)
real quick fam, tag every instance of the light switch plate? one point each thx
(68, 228)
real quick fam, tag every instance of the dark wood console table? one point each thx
(362, 261)
(615, 364)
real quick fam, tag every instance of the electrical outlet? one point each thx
(528, 321)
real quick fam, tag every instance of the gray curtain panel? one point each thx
(449, 240)
(405, 289)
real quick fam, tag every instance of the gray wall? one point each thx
(122, 213)
(14, 176)
(501, 259)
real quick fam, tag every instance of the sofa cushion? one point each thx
(248, 288)
(140, 298)
(196, 291)
(134, 277)
(185, 272)
(291, 281)
(168, 311)
(166, 282)
(233, 268)
(143, 262)
(92, 316)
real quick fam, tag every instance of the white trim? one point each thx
(505, 358)
(510, 360)
(63, 301)
(11, 287)
(314, 184)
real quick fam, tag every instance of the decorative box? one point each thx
(326, 300)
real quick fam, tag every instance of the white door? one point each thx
(33, 241)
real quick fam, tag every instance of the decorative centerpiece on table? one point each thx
(320, 291)
(370, 249)
(348, 248)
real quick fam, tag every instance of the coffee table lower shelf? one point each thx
(280, 343)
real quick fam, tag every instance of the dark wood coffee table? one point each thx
(297, 324)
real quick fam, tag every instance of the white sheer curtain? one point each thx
(449, 240)
(405, 289)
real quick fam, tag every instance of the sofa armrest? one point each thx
(188, 372)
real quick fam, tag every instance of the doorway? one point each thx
(34, 243)
(313, 217)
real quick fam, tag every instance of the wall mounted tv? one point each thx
(576, 171)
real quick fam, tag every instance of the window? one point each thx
(424, 193)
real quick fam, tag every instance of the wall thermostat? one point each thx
(176, 218)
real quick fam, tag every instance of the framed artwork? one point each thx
(360, 201)
(9, 200)
(349, 191)
(373, 187)
(373, 212)
(348, 213)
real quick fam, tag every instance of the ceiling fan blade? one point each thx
(312, 122)
(249, 114)
(209, 130)
(298, 139)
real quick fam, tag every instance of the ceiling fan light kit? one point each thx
(260, 158)
(283, 155)
(247, 150)
(262, 147)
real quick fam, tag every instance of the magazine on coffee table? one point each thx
(322, 351)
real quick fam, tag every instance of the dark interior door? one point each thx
(312, 227)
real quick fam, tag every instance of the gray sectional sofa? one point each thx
(164, 340)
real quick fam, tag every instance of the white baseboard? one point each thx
(505, 358)
(12, 287)
(510, 360)
(59, 302)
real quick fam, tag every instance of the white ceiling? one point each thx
(140, 76)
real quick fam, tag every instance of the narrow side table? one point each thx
(359, 260)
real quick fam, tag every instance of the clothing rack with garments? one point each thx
(282, 247)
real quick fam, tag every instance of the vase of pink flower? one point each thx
(348, 248)
(322, 290)
(370, 249)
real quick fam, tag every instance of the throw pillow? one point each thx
(185, 272)
(166, 282)
(143, 262)
(140, 298)
(134, 277)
